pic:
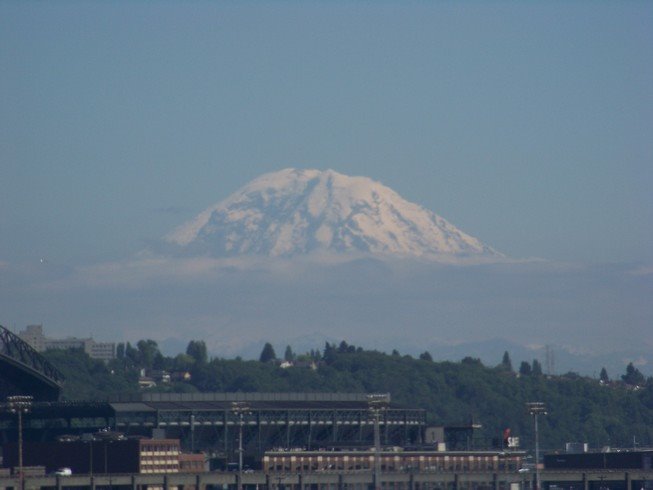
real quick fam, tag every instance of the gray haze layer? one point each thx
(411, 306)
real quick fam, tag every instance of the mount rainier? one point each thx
(298, 212)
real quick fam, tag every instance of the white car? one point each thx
(63, 472)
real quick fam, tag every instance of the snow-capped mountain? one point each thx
(292, 212)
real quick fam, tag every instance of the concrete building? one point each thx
(192, 463)
(159, 455)
(34, 336)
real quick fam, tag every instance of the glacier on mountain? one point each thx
(298, 212)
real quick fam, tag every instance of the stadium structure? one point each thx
(210, 422)
(213, 422)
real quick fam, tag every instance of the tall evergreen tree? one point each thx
(268, 354)
(604, 376)
(633, 376)
(536, 370)
(426, 356)
(330, 353)
(506, 363)
(525, 369)
(289, 355)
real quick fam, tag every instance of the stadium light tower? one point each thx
(20, 404)
(377, 404)
(535, 409)
(240, 409)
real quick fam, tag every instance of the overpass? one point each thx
(436, 480)
(23, 371)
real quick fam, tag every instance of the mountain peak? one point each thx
(301, 211)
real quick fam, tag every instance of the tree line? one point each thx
(580, 409)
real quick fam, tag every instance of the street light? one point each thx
(377, 403)
(20, 404)
(87, 438)
(240, 409)
(535, 409)
(90, 457)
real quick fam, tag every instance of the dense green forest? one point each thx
(600, 412)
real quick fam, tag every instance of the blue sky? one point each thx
(528, 125)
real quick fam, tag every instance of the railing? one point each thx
(296, 481)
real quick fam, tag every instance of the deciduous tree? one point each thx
(197, 350)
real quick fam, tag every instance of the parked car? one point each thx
(63, 472)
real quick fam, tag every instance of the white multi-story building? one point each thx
(33, 335)
(103, 350)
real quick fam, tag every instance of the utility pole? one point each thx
(20, 404)
(240, 409)
(535, 409)
(377, 404)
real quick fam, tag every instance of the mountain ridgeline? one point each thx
(600, 412)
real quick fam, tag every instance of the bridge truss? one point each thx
(23, 371)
